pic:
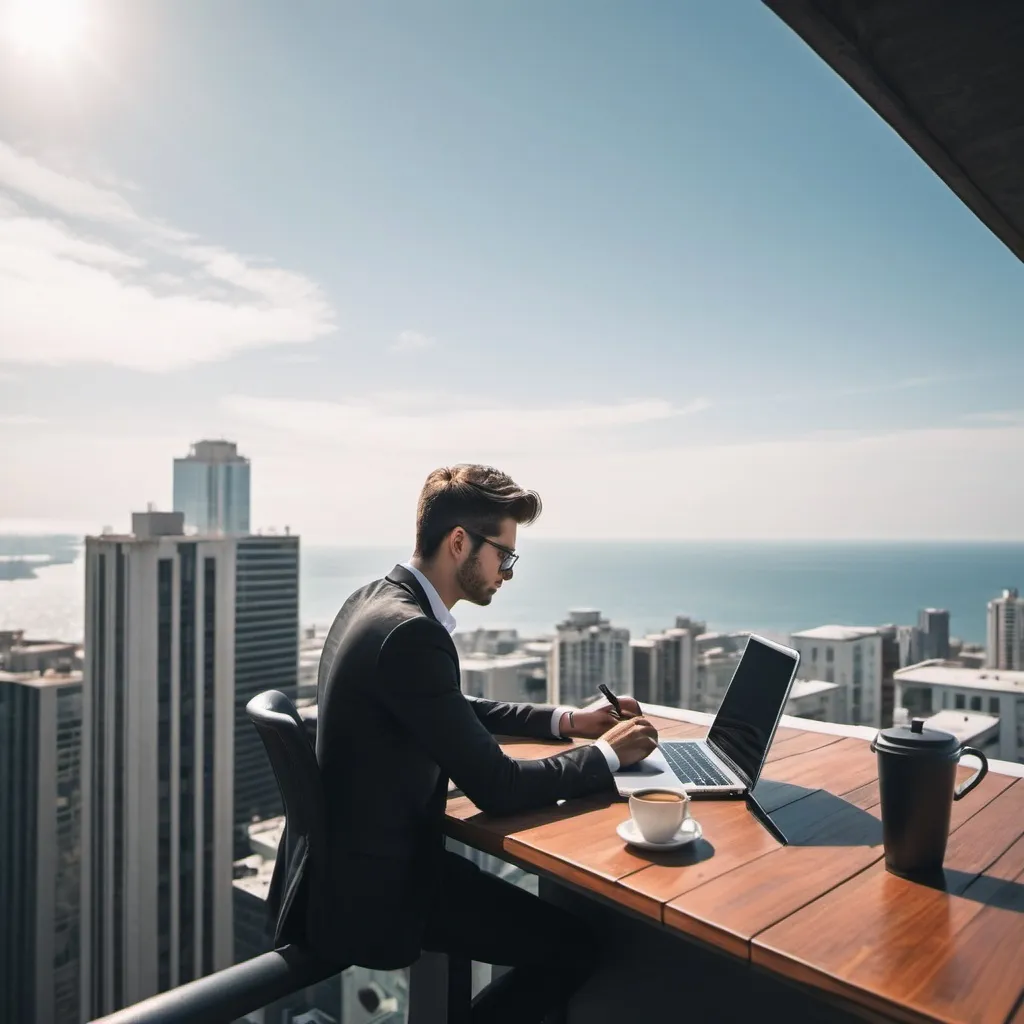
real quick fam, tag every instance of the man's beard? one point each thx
(472, 582)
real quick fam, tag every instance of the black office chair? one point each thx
(304, 842)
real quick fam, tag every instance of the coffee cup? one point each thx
(659, 813)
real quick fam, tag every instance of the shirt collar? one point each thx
(437, 606)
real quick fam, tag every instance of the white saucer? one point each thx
(689, 831)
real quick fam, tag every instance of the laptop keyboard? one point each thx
(692, 765)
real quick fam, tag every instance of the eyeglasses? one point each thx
(510, 558)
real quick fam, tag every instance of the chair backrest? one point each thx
(303, 848)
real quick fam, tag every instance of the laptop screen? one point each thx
(745, 724)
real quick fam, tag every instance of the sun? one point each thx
(49, 30)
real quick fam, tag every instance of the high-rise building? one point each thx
(850, 656)
(665, 665)
(266, 657)
(40, 845)
(890, 639)
(588, 650)
(157, 761)
(933, 624)
(910, 642)
(211, 489)
(1006, 631)
(680, 663)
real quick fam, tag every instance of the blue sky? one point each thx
(655, 259)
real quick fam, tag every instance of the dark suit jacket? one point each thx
(393, 726)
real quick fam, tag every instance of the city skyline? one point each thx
(651, 262)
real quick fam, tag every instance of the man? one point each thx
(394, 726)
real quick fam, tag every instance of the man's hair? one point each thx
(476, 498)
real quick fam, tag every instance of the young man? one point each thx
(394, 726)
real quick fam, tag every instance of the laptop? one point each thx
(728, 761)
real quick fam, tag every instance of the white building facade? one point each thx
(157, 761)
(1006, 632)
(935, 686)
(514, 678)
(851, 657)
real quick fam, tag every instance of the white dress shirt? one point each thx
(443, 615)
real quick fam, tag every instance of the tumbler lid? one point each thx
(916, 739)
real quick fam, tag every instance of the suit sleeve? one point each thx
(532, 720)
(418, 683)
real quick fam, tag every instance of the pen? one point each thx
(762, 816)
(612, 699)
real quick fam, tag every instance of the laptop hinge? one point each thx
(739, 772)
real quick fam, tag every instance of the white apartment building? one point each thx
(935, 686)
(851, 657)
(157, 761)
(1006, 631)
(815, 699)
(588, 650)
(511, 677)
(716, 665)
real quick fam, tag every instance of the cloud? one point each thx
(20, 420)
(403, 423)
(85, 278)
(412, 341)
(1005, 416)
(880, 386)
(913, 485)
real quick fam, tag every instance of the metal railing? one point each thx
(231, 993)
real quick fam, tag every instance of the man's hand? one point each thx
(632, 739)
(590, 725)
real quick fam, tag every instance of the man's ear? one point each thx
(457, 541)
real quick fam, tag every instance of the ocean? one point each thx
(773, 588)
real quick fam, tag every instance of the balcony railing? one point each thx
(232, 993)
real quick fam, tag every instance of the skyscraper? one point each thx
(587, 651)
(40, 845)
(266, 657)
(1006, 632)
(211, 488)
(157, 764)
(933, 624)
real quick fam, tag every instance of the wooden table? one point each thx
(822, 911)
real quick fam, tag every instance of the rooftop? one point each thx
(482, 663)
(837, 634)
(950, 673)
(808, 687)
(42, 680)
(964, 725)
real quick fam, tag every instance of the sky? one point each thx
(655, 260)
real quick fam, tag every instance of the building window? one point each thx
(960, 702)
(830, 675)
(975, 703)
(830, 654)
(993, 705)
(814, 654)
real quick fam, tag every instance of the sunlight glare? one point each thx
(49, 30)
